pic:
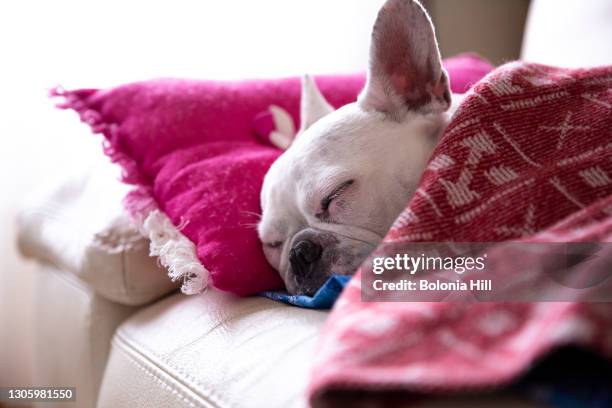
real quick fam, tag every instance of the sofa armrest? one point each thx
(78, 225)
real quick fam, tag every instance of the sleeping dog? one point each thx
(332, 195)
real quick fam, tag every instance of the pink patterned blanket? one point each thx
(528, 156)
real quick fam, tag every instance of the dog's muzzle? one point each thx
(303, 256)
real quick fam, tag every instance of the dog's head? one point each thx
(332, 196)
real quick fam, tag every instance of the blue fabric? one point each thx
(324, 298)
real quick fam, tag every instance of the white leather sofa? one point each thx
(109, 322)
(209, 350)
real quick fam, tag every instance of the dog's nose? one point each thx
(308, 250)
(304, 254)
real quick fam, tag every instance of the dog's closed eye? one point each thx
(327, 201)
(274, 244)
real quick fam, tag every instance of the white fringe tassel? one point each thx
(175, 252)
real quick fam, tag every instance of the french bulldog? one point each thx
(330, 198)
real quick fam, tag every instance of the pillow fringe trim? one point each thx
(81, 102)
(174, 250)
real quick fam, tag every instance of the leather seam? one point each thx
(165, 385)
(123, 341)
(126, 338)
(124, 273)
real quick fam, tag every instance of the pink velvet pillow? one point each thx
(192, 150)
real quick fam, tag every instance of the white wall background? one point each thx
(100, 43)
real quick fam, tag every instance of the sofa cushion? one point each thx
(218, 350)
(78, 224)
(212, 350)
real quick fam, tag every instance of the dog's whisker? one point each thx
(257, 215)
(249, 225)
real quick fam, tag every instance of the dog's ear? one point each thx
(313, 105)
(405, 72)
